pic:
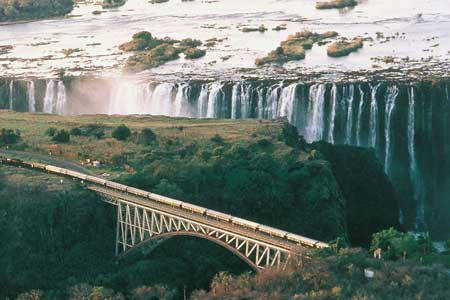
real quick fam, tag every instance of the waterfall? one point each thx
(272, 101)
(260, 93)
(413, 169)
(332, 114)
(246, 97)
(11, 94)
(359, 118)
(287, 99)
(349, 124)
(31, 96)
(181, 99)
(49, 98)
(391, 96)
(314, 130)
(60, 99)
(161, 103)
(202, 102)
(216, 89)
(235, 95)
(373, 123)
(145, 99)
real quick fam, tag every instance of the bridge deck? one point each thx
(244, 232)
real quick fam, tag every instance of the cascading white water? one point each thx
(391, 96)
(161, 103)
(332, 117)
(287, 100)
(272, 101)
(246, 97)
(202, 102)
(214, 94)
(181, 99)
(314, 130)
(349, 124)
(31, 96)
(260, 93)
(373, 122)
(11, 94)
(413, 168)
(130, 97)
(60, 99)
(49, 98)
(235, 100)
(359, 118)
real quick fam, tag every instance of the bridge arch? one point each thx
(137, 226)
(164, 236)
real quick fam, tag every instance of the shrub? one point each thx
(61, 136)
(119, 160)
(76, 131)
(395, 243)
(50, 131)
(264, 143)
(193, 53)
(146, 136)
(290, 135)
(9, 136)
(94, 130)
(344, 48)
(217, 139)
(190, 43)
(121, 132)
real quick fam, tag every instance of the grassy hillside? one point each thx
(259, 170)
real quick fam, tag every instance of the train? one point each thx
(212, 214)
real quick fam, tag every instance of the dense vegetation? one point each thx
(344, 47)
(11, 10)
(337, 276)
(294, 47)
(154, 52)
(257, 170)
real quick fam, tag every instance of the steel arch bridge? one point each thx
(144, 217)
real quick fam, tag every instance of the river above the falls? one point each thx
(415, 32)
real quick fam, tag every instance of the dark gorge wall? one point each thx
(408, 124)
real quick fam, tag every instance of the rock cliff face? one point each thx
(407, 124)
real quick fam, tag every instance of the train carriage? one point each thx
(96, 180)
(138, 192)
(244, 223)
(165, 200)
(193, 208)
(218, 215)
(272, 231)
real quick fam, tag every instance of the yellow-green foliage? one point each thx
(159, 52)
(193, 53)
(344, 48)
(341, 276)
(293, 48)
(336, 4)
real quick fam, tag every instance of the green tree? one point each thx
(51, 131)
(156, 292)
(121, 132)
(61, 136)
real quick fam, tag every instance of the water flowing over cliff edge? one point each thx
(407, 124)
